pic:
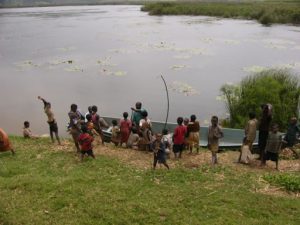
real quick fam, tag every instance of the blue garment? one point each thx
(159, 151)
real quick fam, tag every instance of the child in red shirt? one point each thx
(85, 140)
(178, 138)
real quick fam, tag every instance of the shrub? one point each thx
(278, 87)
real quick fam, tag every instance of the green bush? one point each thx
(290, 182)
(277, 87)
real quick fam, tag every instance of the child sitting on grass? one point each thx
(273, 146)
(133, 140)
(85, 141)
(159, 152)
(27, 133)
(214, 134)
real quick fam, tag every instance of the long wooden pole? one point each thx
(167, 101)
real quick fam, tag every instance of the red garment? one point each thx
(125, 126)
(179, 134)
(85, 140)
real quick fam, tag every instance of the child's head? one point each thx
(144, 113)
(114, 122)
(88, 117)
(275, 128)
(90, 109)
(26, 124)
(94, 109)
(73, 107)
(138, 105)
(133, 130)
(214, 120)
(125, 115)
(84, 129)
(193, 118)
(186, 121)
(179, 120)
(252, 115)
(293, 120)
(165, 131)
(158, 136)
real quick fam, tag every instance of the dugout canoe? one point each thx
(232, 137)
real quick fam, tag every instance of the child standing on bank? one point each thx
(159, 151)
(85, 140)
(178, 138)
(125, 127)
(214, 134)
(273, 146)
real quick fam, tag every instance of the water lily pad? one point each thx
(74, 69)
(120, 73)
(178, 67)
(105, 62)
(66, 49)
(182, 56)
(183, 88)
(27, 64)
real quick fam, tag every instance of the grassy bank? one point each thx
(266, 12)
(46, 184)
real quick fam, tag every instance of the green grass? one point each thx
(42, 186)
(266, 12)
(289, 181)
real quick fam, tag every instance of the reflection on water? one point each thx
(113, 56)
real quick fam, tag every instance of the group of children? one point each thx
(270, 141)
(136, 133)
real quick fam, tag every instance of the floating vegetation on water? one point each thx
(178, 67)
(182, 56)
(254, 69)
(183, 88)
(122, 51)
(258, 69)
(202, 20)
(74, 69)
(220, 98)
(105, 62)
(27, 64)
(231, 42)
(120, 73)
(278, 43)
(58, 62)
(207, 39)
(66, 49)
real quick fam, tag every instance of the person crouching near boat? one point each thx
(85, 140)
(5, 144)
(125, 127)
(133, 140)
(193, 129)
(214, 134)
(178, 138)
(115, 133)
(159, 151)
(273, 146)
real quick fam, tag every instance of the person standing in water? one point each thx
(51, 120)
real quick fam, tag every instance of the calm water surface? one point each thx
(113, 56)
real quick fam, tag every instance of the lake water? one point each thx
(113, 56)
